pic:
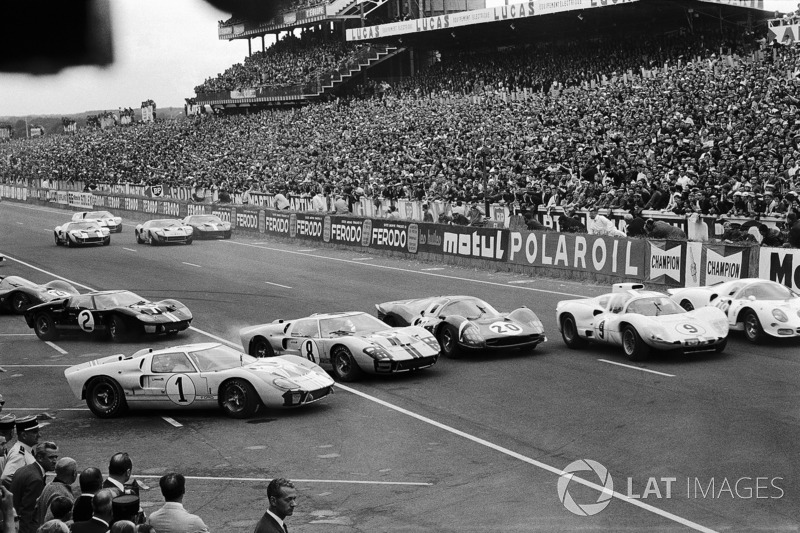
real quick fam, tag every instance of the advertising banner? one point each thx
(276, 223)
(344, 230)
(396, 235)
(579, 252)
(306, 226)
(464, 241)
(245, 219)
(197, 209)
(693, 269)
(781, 265)
(725, 263)
(665, 262)
(16, 193)
(222, 212)
(170, 209)
(81, 199)
(150, 206)
(786, 31)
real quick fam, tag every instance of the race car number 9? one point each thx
(310, 351)
(689, 329)
(86, 321)
(180, 389)
(505, 328)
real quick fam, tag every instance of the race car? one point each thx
(81, 233)
(757, 306)
(18, 294)
(639, 321)
(348, 344)
(196, 376)
(163, 231)
(103, 218)
(466, 323)
(113, 313)
(208, 227)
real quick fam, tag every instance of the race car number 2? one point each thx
(505, 328)
(180, 389)
(86, 321)
(310, 351)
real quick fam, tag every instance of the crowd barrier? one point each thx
(551, 253)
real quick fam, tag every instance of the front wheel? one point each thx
(448, 340)
(116, 329)
(139, 239)
(719, 348)
(20, 303)
(190, 240)
(45, 327)
(752, 327)
(105, 398)
(58, 241)
(107, 241)
(261, 348)
(239, 399)
(569, 332)
(344, 366)
(633, 345)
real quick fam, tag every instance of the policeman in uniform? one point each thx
(7, 440)
(21, 454)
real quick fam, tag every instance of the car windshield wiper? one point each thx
(658, 308)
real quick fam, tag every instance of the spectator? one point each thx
(658, 229)
(66, 474)
(21, 454)
(794, 230)
(7, 440)
(120, 478)
(634, 226)
(60, 509)
(282, 498)
(28, 484)
(102, 514)
(7, 522)
(427, 216)
(172, 517)
(123, 526)
(91, 481)
(281, 202)
(600, 225)
(53, 526)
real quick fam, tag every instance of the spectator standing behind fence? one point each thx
(91, 481)
(600, 225)
(28, 485)
(7, 439)
(7, 524)
(281, 202)
(66, 474)
(172, 517)
(102, 514)
(21, 454)
(282, 498)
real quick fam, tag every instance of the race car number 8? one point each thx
(86, 321)
(504, 328)
(309, 351)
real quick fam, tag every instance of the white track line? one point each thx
(636, 368)
(311, 250)
(277, 285)
(172, 421)
(431, 269)
(17, 334)
(129, 249)
(522, 281)
(386, 267)
(56, 347)
(191, 264)
(36, 366)
(263, 480)
(363, 259)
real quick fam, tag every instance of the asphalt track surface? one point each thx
(472, 444)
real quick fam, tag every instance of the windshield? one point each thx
(767, 291)
(219, 358)
(350, 324)
(118, 299)
(165, 223)
(83, 226)
(471, 309)
(205, 219)
(15, 281)
(655, 306)
(99, 214)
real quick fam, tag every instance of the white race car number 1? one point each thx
(180, 389)
(310, 351)
(86, 321)
(505, 328)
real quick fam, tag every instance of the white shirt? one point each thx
(278, 520)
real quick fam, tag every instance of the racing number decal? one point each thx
(725, 305)
(86, 321)
(601, 329)
(689, 329)
(310, 351)
(505, 328)
(180, 389)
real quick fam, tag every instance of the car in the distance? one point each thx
(163, 231)
(208, 227)
(17, 294)
(81, 234)
(103, 218)
(196, 376)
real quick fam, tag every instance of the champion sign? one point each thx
(720, 268)
(665, 263)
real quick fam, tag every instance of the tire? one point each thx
(238, 399)
(721, 346)
(569, 332)
(20, 303)
(448, 340)
(344, 366)
(227, 235)
(105, 398)
(70, 244)
(753, 331)
(58, 242)
(45, 327)
(190, 240)
(107, 241)
(633, 345)
(687, 305)
(261, 348)
(139, 239)
(117, 329)
(153, 241)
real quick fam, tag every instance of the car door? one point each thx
(606, 324)
(304, 340)
(170, 380)
(77, 314)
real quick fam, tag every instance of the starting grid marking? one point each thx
(277, 285)
(263, 480)
(637, 368)
(57, 348)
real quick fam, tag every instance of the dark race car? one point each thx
(18, 294)
(208, 227)
(466, 322)
(113, 313)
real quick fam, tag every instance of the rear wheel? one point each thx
(20, 303)
(45, 327)
(633, 345)
(752, 327)
(239, 399)
(261, 348)
(448, 340)
(569, 332)
(105, 398)
(344, 366)
(116, 329)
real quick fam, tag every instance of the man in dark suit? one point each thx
(282, 499)
(102, 514)
(120, 478)
(91, 481)
(28, 484)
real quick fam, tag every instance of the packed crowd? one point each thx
(290, 61)
(82, 501)
(688, 125)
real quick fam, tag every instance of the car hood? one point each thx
(404, 343)
(304, 374)
(486, 323)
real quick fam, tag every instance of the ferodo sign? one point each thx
(246, 219)
(306, 226)
(223, 214)
(393, 235)
(781, 265)
(578, 252)
(276, 222)
(343, 230)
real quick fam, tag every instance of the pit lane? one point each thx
(719, 416)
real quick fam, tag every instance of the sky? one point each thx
(162, 50)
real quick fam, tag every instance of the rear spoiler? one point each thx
(622, 287)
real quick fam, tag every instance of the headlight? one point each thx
(286, 384)
(376, 352)
(160, 233)
(779, 315)
(472, 335)
(188, 229)
(147, 318)
(657, 334)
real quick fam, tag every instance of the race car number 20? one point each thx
(505, 328)
(180, 389)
